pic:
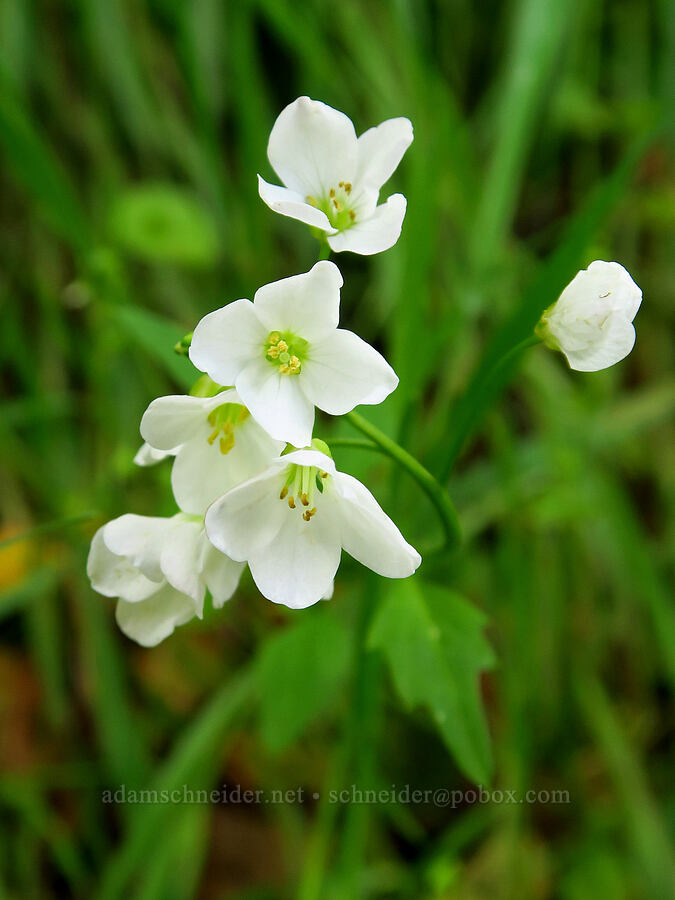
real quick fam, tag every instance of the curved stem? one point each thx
(354, 444)
(434, 491)
(324, 251)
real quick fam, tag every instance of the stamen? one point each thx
(284, 492)
(348, 187)
(331, 192)
(291, 502)
(352, 214)
(282, 346)
(304, 499)
(308, 513)
(214, 434)
(311, 200)
(226, 443)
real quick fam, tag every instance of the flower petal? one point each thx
(225, 340)
(114, 576)
(276, 402)
(201, 473)
(298, 566)
(312, 147)
(248, 517)
(140, 540)
(171, 421)
(180, 560)
(290, 203)
(221, 574)
(381, 149)
(154, 619)
(148, 456)
(375, 234)
(368, 534)
(344, 371)
(613, 344)
(307, 305)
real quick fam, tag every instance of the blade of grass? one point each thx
(195, 753)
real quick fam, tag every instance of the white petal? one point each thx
(625, 296)
(225, 340)
(290, 203)
(614, 343)
(140, 539)
(171, 421)
(148, 456)
(369, 535)
(276, 402)
(343, 371)
(180, 560)
(248, 517)
(312, 147)
(116, 576)
(375, 234)
(154, 619)
(201, 473)
(307, 305)
(298, 566)
(308, 458)
(221, 574)
(381, 149)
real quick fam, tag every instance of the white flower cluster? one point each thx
(252, 484)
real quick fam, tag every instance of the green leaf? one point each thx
(434, 644)
(164, 224)
(300, 672)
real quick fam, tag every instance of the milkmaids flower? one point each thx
(159, 568)
(291, 522)
(333, 178)
(216, 442)
(591, 322)
(285, 354)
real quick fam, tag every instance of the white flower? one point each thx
(159, 568)
(217, 444)
(333, 178)
(285, 354)
(291, 522)
(591, 322)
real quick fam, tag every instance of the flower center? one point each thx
(337, 205)
(301, 484)
(224, 419)
(286, 350)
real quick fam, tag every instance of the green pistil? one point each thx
(286, 350)
(337, 205)
(300, 486)
(224, 419)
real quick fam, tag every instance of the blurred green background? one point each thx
(131, 134)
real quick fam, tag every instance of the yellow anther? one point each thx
(226, 443)
(274, 337)
(273, 352)
(304, 499)
(323, 474)
(352, 214)
(331, 192)
(284, 492)
(308, 513)
(284, 369)
(291, 502)
(337, 205)
(282, 346)
(348, 187)
(214, 434)
(341, 184)
(311, 200)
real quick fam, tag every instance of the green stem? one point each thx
(434, 491)
(489, 382)
(354, 444)
(324, 250)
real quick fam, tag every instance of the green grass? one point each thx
(541, 142)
